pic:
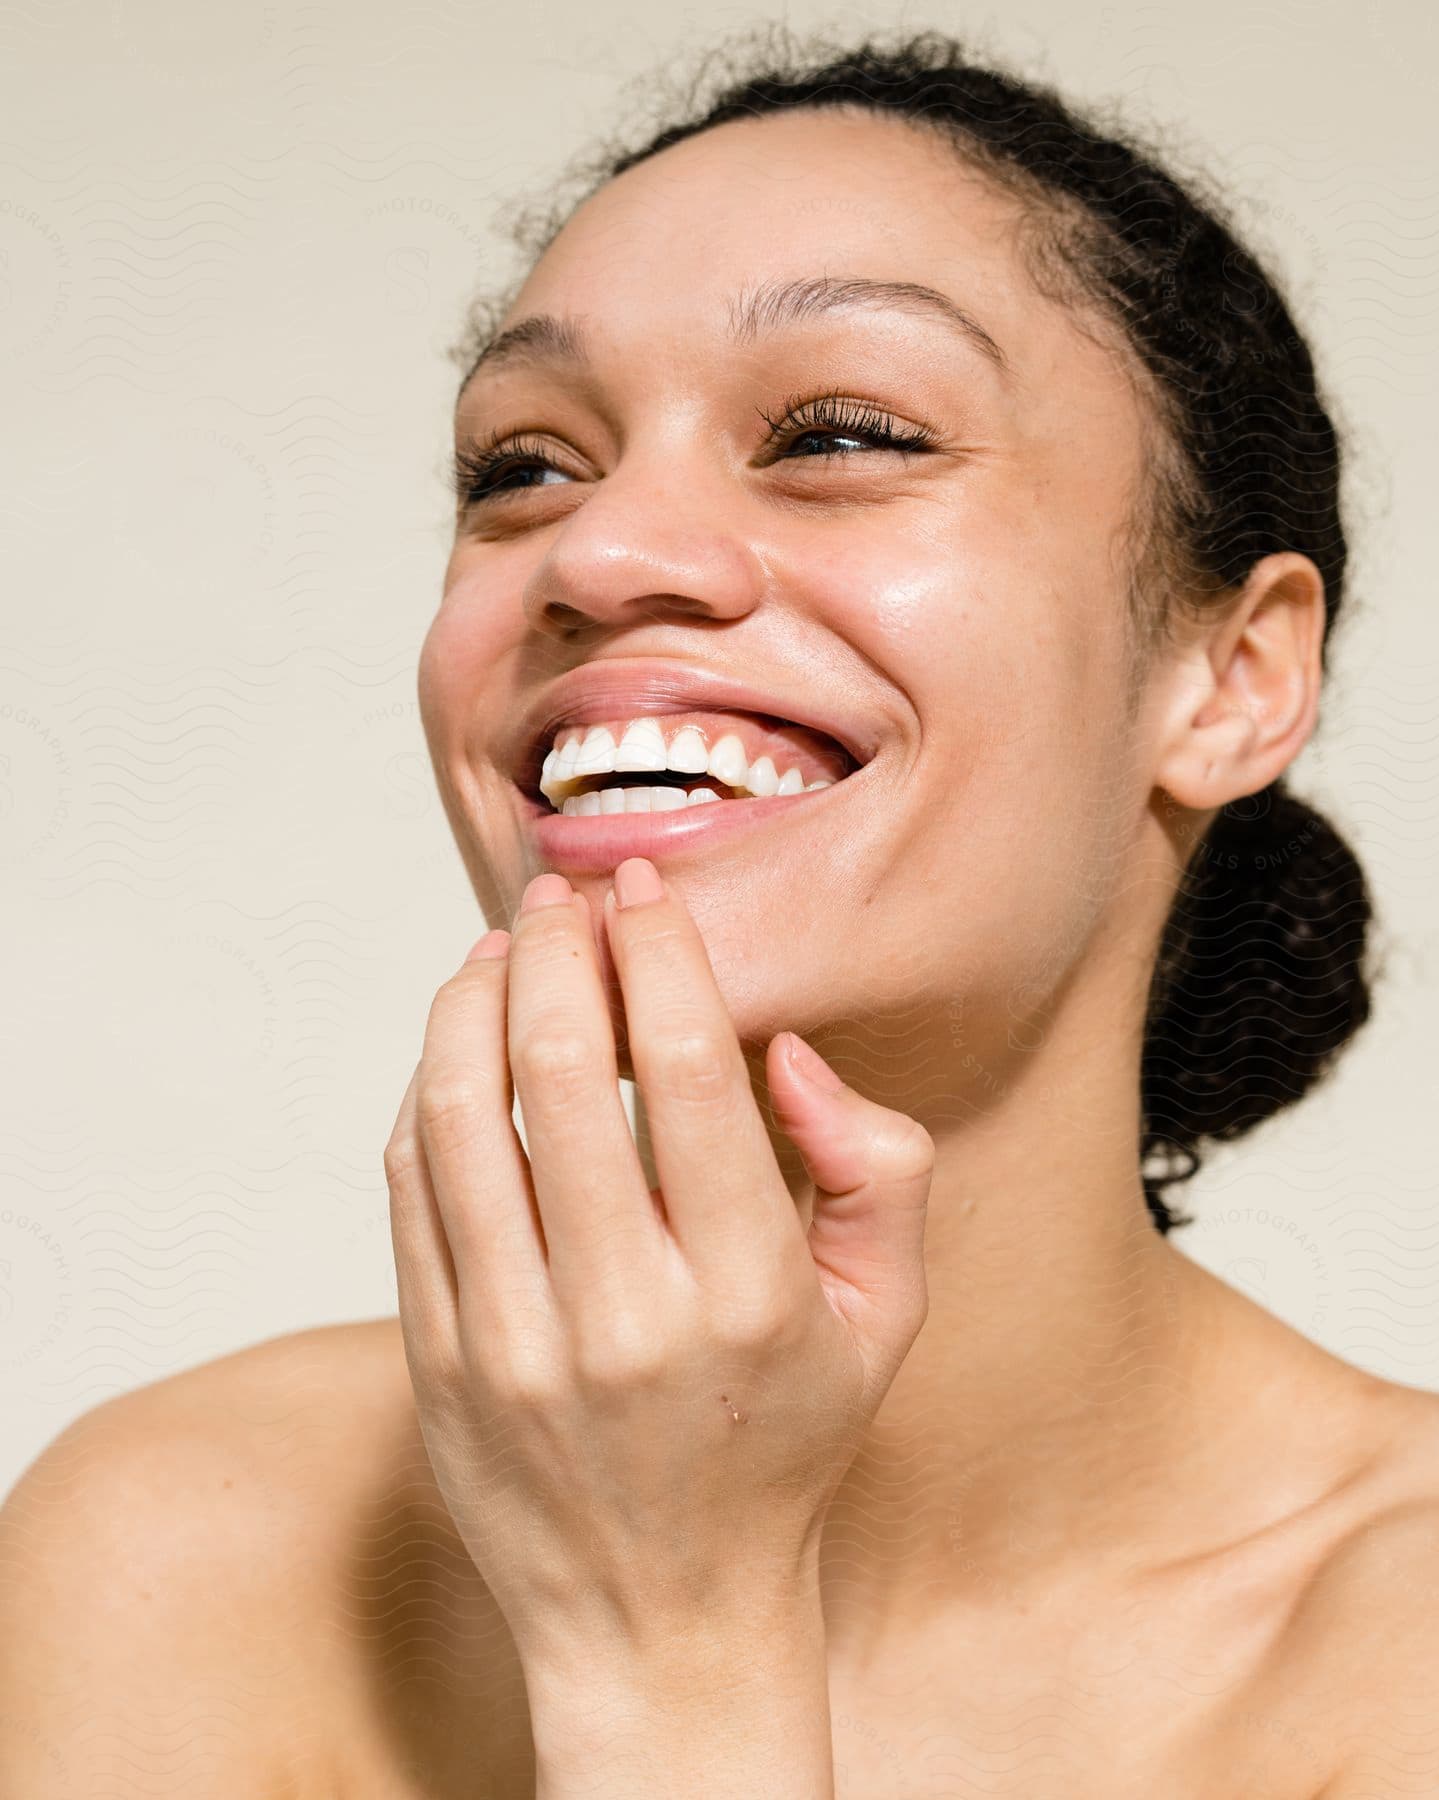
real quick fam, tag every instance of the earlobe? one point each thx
(1247, 696)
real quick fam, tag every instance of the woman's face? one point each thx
(958, 609)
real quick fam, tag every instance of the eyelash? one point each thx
(475, 466)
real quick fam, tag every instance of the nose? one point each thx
(656, 541)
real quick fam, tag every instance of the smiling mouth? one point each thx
(659, 762)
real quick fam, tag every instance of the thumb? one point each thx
(871, 1168)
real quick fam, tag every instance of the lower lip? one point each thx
(602, 841)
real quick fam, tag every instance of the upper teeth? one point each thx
(643, 747)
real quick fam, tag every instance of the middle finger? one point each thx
(724, 1196)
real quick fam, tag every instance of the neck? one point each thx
(1032, 1420)
(1063, 1408)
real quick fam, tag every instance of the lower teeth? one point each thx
(645, 799)
(634, 800)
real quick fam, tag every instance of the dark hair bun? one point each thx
(1259, 982)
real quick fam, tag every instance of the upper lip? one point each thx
(621, 688)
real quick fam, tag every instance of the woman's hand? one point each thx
(639, 1402)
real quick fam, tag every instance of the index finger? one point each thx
(727, 1202)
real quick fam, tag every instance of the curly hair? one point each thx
(1260, 975)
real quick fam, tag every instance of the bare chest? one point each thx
(1109, 1715)
(1038, 1739)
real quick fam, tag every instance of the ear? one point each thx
(1244, 696)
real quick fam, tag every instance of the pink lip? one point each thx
(598, 844)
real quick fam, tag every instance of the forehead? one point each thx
(853, 180)
(744, 207)
(670, 266)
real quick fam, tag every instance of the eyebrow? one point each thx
(546, 338)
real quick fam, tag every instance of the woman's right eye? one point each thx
(480, 474)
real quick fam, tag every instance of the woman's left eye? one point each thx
(886, 440)
(482, 474)
(834, 418)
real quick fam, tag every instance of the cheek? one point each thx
(999, 657)
(456, 664)
(1004, 644)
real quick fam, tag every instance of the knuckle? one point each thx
(560, 1062)
(407, 1210)
(908, 1149)
(446, 1103)
(446, 1001)
(664, 939)
(761, 1321)
(691, 1065)
(512, 1377)
(918, 1310)
(400, 1159)
(906, 1314)
(525, 1382)
(451, 988)
(436, 1372)
(622, 1353)
(548, 927)
(521, 1365)
(510, 1367)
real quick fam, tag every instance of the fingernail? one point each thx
(546, 890)
(491, 945)
(809, 1065)
(637, 881)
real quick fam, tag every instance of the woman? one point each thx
(885, 424)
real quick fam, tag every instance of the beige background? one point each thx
(234, 243)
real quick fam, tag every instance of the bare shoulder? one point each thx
(256, 1445)
(1360, 1663)
(164, 1564)
(1382, 1574)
